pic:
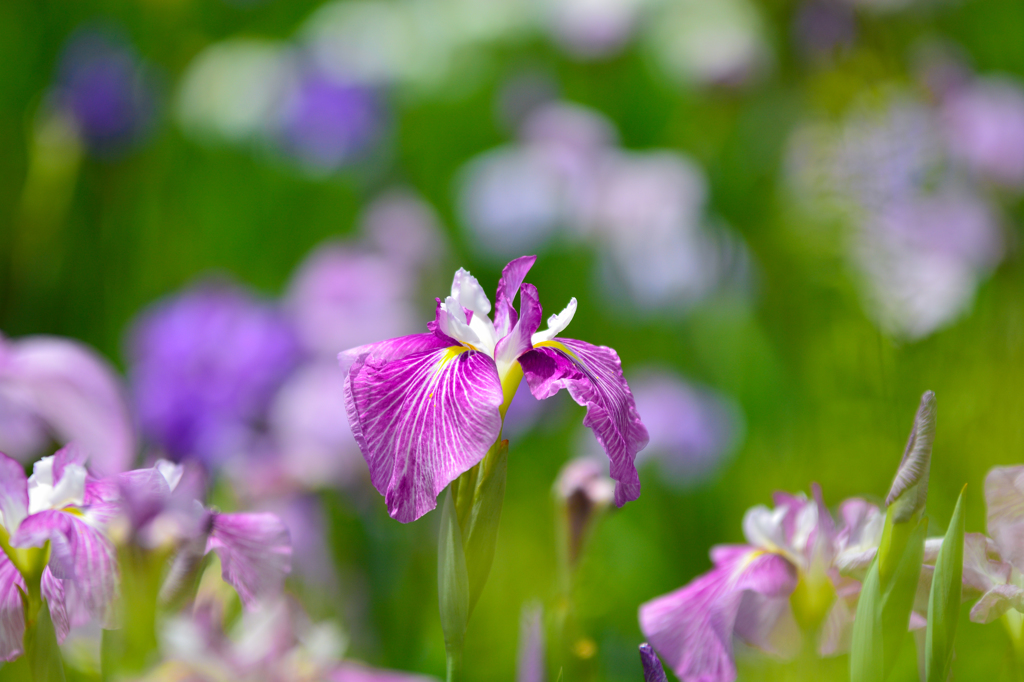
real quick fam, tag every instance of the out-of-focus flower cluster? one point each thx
(918, 183)
(567, 178)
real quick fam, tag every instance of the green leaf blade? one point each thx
(944, 599)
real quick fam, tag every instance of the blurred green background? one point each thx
(827, 396)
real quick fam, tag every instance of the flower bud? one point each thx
(910, 488)
(653, 672)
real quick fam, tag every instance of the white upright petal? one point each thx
(454, 323)
(170, 471)
(764, 528)
(556, 323)
(468, 292)
(44, 495)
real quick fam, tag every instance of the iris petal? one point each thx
(593, 377)
(692, 628)
(1004, 497)
(12, 617)
(255, 553)
(512, 277)
(517, 341)
(13, 493)
(421, 421)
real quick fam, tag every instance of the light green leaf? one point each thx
(481, 528)
(944, 599)
(452, 578)
(41, 648)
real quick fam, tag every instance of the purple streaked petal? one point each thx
(593, 377)
(13, 493)
(512, 277)
(352, 360)
(421, 421)
(653, 672)
(53, 592)
(255, 553)
(517, 341)
(1004, 498)
(81, 556)
(12, 614)
(692, 628)
(983, 565)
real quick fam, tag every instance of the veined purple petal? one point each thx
(13, 493)
(421, 421)
(1004, 498)
(352, 360)
(593, 377)
(517, 341)
(255, 553)
(81, 556)
(12, 614)
(692, 628)
(512, 277)
(53, 592)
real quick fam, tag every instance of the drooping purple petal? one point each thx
(517, 341)
(996, 602)
(54, 593)
(255, 553)
(512, 276)
(13, 492)
(76, 393)
(1004, 498)
(81, 556)
(593, 377)
(653, 672)
(352, 360)
(12, 615)
(421, 421)
(692, 628)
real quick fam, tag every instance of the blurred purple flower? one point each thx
(415, 444)
(107, 89)
(692, 430)
(204, 366)
(590, 29)
(984, 126)
(58, 388)
(747, 593)
(531, 665)
(326, 123)
(405, 228)
(342, 296)
(821, 27)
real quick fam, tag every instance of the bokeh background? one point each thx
(789, 218)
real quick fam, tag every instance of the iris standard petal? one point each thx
(517, 341)
(1004, 498)
(81, 556)
(593, 377)
(12, 615)
(692, 628)
(512, 276)
(255, 553)
(13, 493)
(421, 421)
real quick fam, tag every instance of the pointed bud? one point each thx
(653, 672)
(910, 488)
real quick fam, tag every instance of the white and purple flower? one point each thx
(52, 528)
(425, 408)
(798, 570)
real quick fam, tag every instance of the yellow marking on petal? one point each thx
(558, 345)
(74, 511)
(449, 355)
(509, 385)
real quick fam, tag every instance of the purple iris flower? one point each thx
(326, 123)
(984, 127)
(57, 388)
(747, 593)
(59, 505)
(204, 367)
(425, 408)
(107, 90)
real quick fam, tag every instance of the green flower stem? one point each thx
(454, 665)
